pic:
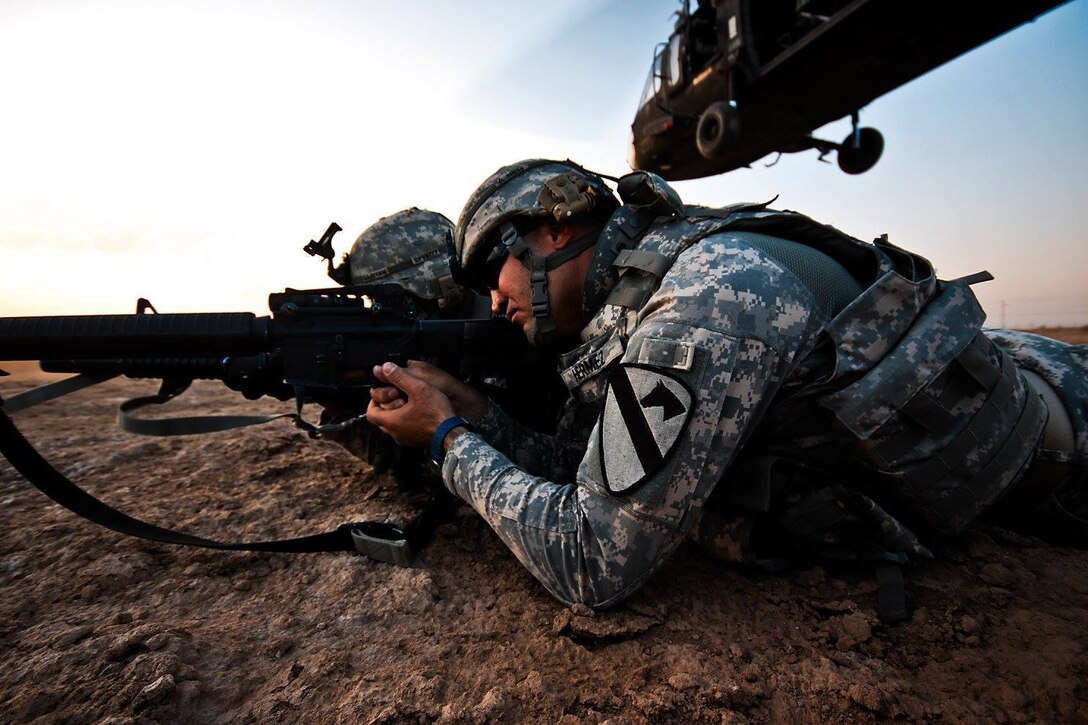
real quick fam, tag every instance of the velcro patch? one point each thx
(661, 353)
(645, 412)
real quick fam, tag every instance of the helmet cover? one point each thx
(516, 191)
(409, 248)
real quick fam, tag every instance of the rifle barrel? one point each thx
(110, 336)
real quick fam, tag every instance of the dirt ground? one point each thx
(96, 627)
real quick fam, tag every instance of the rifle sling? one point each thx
(183, 425)
(380, 541)
(50, 391)
(200, 424)
(192, 425)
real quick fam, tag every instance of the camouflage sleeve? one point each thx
(719, 343)
(1063, 366)
(553, 457)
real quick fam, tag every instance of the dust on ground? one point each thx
(96, 627)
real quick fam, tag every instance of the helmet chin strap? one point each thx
(538, 275)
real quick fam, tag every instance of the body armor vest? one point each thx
(940, 421)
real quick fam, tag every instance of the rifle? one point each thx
(318, 345)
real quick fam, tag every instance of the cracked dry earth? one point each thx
(99, 628)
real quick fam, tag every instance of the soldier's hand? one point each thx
(389, 397)
(412, 419)
(468, 402)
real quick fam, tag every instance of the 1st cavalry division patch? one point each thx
(645, 412)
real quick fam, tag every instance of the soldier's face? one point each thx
(513, 295)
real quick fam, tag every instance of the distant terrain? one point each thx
(1073, 335)
(99, 628)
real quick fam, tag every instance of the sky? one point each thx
(186, 151)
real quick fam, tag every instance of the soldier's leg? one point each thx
(1059, 373)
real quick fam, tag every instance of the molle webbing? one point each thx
(958, 508)
(966, 474)
(623, 231)
(1009, 424)
(633, 291)
(649, 262)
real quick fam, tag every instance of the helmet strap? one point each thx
(538, 274)
(538, 281)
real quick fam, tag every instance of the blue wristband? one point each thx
(455, 421)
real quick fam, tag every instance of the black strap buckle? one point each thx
(892, 605)
(381, 542)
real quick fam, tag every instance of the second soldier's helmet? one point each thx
(530, 189)
(409, 248)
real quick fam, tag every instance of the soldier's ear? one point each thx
(560, 233)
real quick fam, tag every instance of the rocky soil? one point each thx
(96, 627)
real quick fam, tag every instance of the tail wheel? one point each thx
(718, 130)
(859, 152)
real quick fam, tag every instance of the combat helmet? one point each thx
(409, 248)
(506, 205)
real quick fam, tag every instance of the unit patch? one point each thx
(645, 412)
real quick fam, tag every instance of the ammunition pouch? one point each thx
(945, 416)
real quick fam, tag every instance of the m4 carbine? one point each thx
(317, 346)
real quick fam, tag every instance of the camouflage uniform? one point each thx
(832, 392)
(1059, 470)
(408, 248)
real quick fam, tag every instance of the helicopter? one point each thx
(740, 79)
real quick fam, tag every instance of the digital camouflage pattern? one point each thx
(830, 423)
(409, 248)
(1064, 513)
(586, 545)
(1064, 367)
(512, 191)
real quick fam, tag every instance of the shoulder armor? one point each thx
(650, 193)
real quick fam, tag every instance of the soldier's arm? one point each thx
(728, 340)
(554, 457)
